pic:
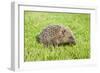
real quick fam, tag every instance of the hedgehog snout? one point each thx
(72, 40)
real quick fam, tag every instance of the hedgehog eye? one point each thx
(70, 37)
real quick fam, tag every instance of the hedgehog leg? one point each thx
(46, 44)
(54, 43)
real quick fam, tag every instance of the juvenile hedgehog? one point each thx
(56, 35)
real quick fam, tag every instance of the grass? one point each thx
(34, 22)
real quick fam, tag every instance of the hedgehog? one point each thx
(56, 35)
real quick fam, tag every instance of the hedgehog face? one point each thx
(68, 37)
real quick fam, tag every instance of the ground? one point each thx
(34, 22)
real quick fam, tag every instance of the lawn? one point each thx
(34, 22)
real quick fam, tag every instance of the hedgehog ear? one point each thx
(63, 32)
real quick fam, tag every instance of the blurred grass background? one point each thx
(34, 22)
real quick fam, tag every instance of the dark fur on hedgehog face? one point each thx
(67, 37)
